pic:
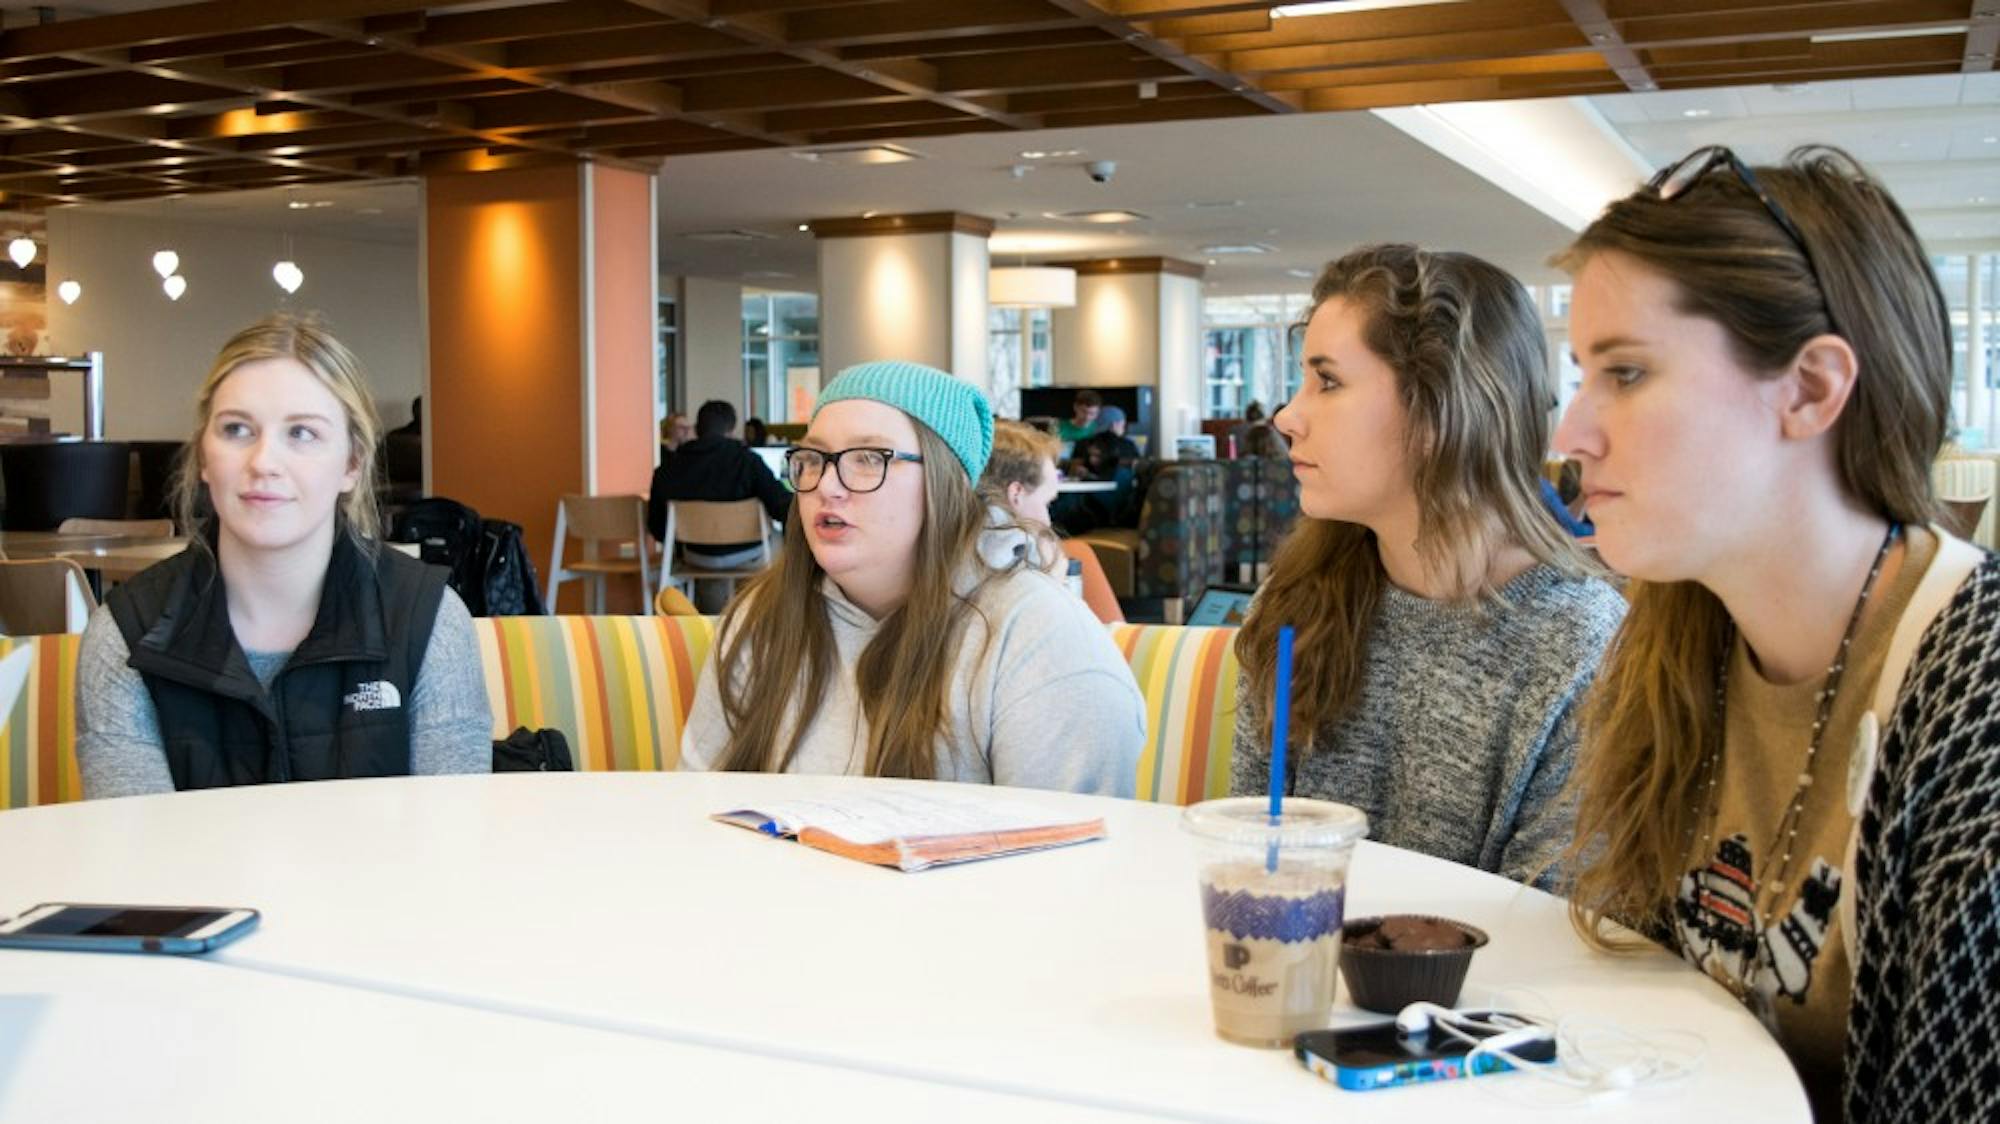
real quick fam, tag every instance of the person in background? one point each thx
(902, 632)
(715, 467)
(1021, 477)
(1082, 421)
(1447, 628)
(676, 430)
(755, 434)
(1101, 455)
(284, 644)
(1255, 437)
(1766, 361)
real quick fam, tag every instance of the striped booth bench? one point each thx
(619, 688)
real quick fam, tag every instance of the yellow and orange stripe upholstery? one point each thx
(38, 739)
(619, 688)
(1188, 678)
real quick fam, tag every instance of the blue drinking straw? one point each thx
(1281, 721)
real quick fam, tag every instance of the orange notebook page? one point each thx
(912, 831)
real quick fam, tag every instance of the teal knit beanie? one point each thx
(954, 409)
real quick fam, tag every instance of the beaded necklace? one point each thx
(1777, 861)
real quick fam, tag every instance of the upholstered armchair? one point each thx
(1176, 550)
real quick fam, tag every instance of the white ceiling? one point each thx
(1307, 185)
(1934, 139)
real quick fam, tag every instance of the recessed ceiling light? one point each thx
(1098, 216)
(1307, 274)
(805, 226)
(1050, 153)
(1238, 248)
(1696, 112)
(858, 154)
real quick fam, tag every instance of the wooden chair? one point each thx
(1962, 516)
(604, 524)
(39, 596)
(671, 602)
(1966, 485)
(723, 523)
(131, 528)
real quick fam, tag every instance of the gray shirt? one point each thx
(118, 747)
(1464, 731)
(1039, 697)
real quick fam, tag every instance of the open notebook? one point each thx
(914, 830)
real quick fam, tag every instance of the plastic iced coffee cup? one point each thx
(1273, 896)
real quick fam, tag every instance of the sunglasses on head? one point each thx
(1674, 181)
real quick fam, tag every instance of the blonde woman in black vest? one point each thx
(284, 644)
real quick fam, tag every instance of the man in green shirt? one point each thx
(1082, 417)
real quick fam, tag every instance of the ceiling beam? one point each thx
(1597, 26)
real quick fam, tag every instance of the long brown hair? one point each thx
(1649, 722)
(305, 340)
(779, 656)
(1467, 348)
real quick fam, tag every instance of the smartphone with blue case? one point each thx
(1381, 1056)
(183, 930)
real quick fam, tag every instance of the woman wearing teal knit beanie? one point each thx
(901, 633)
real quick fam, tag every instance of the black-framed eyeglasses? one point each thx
(860, 469)
(1674, 180)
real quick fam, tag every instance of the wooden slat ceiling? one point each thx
(236, 94)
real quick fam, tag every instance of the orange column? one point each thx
(539, 294)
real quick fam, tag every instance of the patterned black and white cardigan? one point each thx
(1923, 1034)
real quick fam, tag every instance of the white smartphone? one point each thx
(126, 928)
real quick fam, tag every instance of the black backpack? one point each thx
(533, 751)
(447, 534)
(507, 585)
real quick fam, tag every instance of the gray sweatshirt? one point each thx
(1040, 697)
(118, 747)
(1464, 731)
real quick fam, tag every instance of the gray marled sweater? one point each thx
(1462, 737)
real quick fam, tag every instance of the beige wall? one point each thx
(884, 297)
(711, 340)
(1112, 336)
(1136, 329)
(920, 297)
(157, 351)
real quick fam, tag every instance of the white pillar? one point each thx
(904, 287)
(1137, 322)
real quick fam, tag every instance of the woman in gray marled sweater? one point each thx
(1447, 626)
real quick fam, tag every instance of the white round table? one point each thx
(611, 903)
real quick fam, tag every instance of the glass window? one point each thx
(781, 372)
(1251, 352)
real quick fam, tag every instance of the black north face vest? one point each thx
(337, 709)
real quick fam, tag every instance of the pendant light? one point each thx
(69, 290)
(22, 250)
(1031, 287)
(166, 263)
(175, 286)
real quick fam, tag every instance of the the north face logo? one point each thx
(379, 695)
